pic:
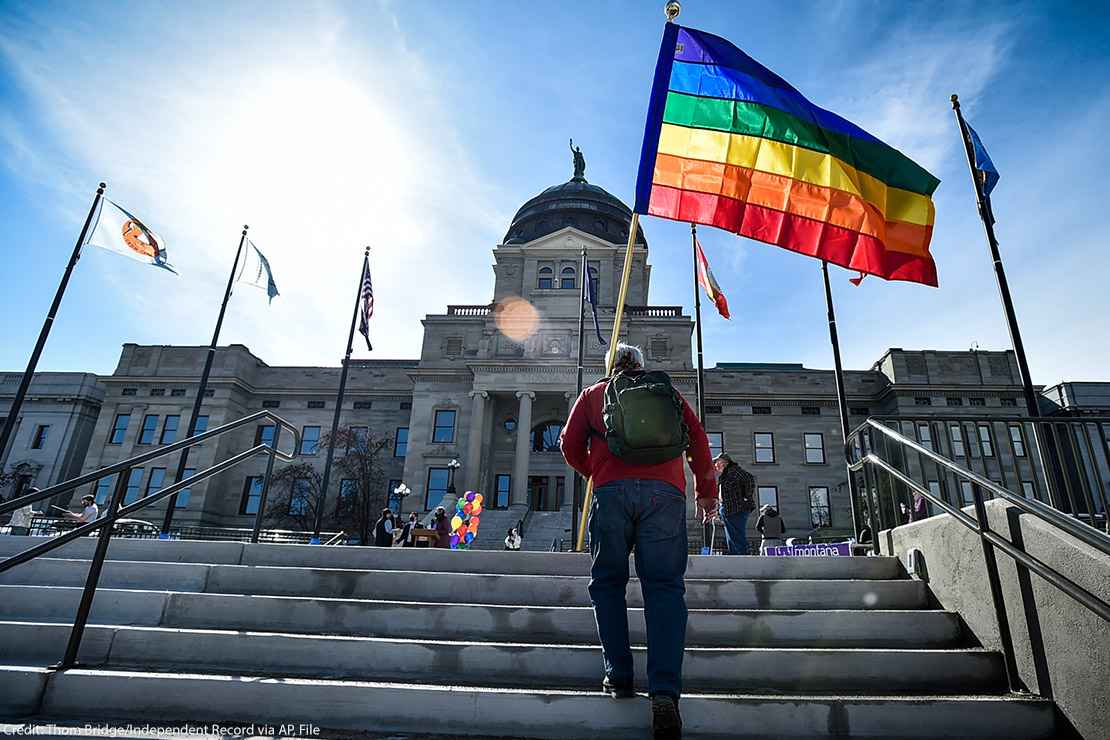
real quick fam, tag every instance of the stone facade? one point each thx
(53, 431)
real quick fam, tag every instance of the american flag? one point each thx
(367, 294)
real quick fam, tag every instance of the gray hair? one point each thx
(629, 357)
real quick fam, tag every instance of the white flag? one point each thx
(256, 271)
(120, 232)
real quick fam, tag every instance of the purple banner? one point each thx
(822, 550)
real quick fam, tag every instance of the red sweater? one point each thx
(585, 449)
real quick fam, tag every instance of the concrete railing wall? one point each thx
(1062, 648)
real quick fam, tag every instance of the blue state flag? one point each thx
(988, 173)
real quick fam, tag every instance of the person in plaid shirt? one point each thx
(737, 488)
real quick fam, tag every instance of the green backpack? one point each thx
(643, 418)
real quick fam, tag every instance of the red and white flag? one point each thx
(707, 281)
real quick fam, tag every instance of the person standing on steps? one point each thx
(442, 525)
(408, 532)
(631, 433)
(383, 529)
(737, 487)
(771, 526)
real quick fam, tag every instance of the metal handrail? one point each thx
(116, 510)
(336, 539)
(1072, 526)
(980, 524)
(69, 485)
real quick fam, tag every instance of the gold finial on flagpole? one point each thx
(672, 9)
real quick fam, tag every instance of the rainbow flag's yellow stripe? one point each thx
(730, 144)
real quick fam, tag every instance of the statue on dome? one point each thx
(579, 162)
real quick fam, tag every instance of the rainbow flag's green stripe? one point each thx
(754, 119)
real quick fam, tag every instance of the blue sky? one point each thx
(420, 128)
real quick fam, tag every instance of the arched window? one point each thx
(546, 279)
(545, 437)
(567, 280)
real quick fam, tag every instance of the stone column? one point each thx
(568, 496)
(523, 448)
(473, 461)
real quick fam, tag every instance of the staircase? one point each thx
(487, 644)
(543, 527)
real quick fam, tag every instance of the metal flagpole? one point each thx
(203, 387)
(338, 407)
(578, 387)
(610, 358)
(25, 382)
(1031, 405)
(841, 396)
(706, 527)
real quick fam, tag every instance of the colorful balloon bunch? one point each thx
(464, 524)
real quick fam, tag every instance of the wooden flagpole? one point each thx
(611, 358)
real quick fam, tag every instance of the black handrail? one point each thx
(115, 511)
(863, 458)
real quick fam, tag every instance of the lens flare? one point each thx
(516, 318)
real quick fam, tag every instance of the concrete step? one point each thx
(525, 590)
(537, 624)
(446, 561)
(503, 664)
(459, 711)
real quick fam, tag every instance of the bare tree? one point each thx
(356, 492)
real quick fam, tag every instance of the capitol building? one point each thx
(492, 388)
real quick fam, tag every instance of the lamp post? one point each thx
(402, 492)
(451, 468)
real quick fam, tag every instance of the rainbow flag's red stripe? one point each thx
(730, 144)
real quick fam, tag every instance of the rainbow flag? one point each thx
(728, 143)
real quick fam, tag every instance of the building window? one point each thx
(957, 441)
(965, 492)
(545, 278)
(362, 405)
(264, 435)
(954, 401)
(252, 495)
(985, 444)
(716, 443)
(453, 347)
(977, 402)
(150, 428)
(819, 511)
(184, 494)
(443, 428)
(1008, 402)
(271, 404)
(119, 429)
(934, 488)
(177, 392)
(134, 485)
(310, 440)
(811, 410)
(566, 282)
(764, 447)
(504, 486)
(201, 426)
(815, 447)
(860, 411)
(209, 392)
(922, 401)
(768, 496)
(715, 410)
(169, 429)
(1018, 440)
(437, 487)
(158, 391)
(300, 501)
(348, 490)
(316, 404)
(39, 440)
(359, 436)
(394, 499)
(925, 435)
(155, 481)
(401, 442)
(545, 437)
(406, 405)
(761, 410)
(1028, 489)
(104, 489)
(129, 392)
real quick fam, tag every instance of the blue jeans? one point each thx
(648, 517)
(736, 532)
